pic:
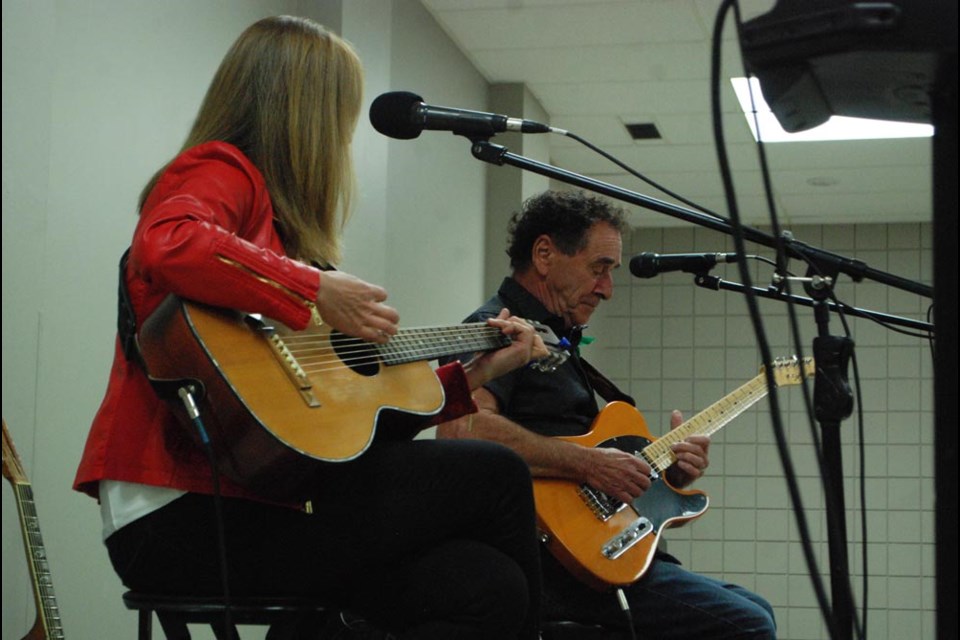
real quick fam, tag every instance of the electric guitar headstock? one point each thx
(791, 370)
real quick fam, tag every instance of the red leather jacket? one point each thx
(205, 233)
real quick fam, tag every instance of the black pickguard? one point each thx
(660, 502)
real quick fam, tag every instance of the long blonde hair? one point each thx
(288, 94)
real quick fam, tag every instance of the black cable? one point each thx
(757, 321)
(781, 265)
(625, 608)
(186, 396)
(637, 174)
(794, 325)
(861, 447)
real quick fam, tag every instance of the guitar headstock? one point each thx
(12, 468)
(791, 370)
(559, 349)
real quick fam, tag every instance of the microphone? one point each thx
(647, 265)
(403, 115)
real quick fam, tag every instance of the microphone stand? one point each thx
(484, 150)
(833, 400)
(715, 283)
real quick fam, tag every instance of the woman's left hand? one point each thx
(526, 345)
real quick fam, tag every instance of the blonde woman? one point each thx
(428, 539)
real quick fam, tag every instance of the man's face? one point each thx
(573, 286)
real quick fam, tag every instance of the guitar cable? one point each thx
(824, 605)
(186, 396)
(625, 607)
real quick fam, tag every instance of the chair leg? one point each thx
(145, 625)
(222, 631)
(174, 626)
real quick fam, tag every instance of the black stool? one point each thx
(566, 630)
(288, 618)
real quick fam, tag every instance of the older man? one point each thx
(563, 248)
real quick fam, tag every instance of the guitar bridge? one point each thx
(621, 543)
(287, 360)
(602, 505)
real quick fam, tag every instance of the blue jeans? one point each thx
(669, 602)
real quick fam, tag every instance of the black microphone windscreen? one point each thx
(645, 265)
(390, 114)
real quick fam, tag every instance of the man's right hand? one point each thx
(617, 473)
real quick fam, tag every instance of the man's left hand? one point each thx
(692, 456)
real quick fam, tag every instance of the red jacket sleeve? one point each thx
(206, 233)
(457, 390)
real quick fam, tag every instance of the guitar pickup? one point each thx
(621, 543)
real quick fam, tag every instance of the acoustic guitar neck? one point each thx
(47, 625)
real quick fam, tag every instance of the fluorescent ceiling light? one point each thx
(836, 128)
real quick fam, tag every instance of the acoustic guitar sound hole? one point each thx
(362, 357)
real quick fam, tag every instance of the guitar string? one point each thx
(372, 355)
(404, 338)
(354, 351)
(334, 363)
(788, 371)
(398, 346)
(409, 345)
(30, 523)
(326, 354)
(394, 347)
(723, 411)
(409, 332)
(41, 568)
(724, 407)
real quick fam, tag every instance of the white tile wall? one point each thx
(674, 345)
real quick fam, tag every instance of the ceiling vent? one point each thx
(643, 131)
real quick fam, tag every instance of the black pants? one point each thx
(431, 539)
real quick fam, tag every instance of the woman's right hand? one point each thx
(355, 307)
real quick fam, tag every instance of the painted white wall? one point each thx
(97, 95)
(435, 206)
(508, 187)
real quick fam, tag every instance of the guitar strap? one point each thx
(127, 335)
(604, 387)
(126, 318)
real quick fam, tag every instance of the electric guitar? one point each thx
(274, 401)
(607, 543)
(47, 625)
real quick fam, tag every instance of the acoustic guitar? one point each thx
(607, 543)
(275, 401)
(47, 624)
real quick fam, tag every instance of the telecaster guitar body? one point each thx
(607, 543)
